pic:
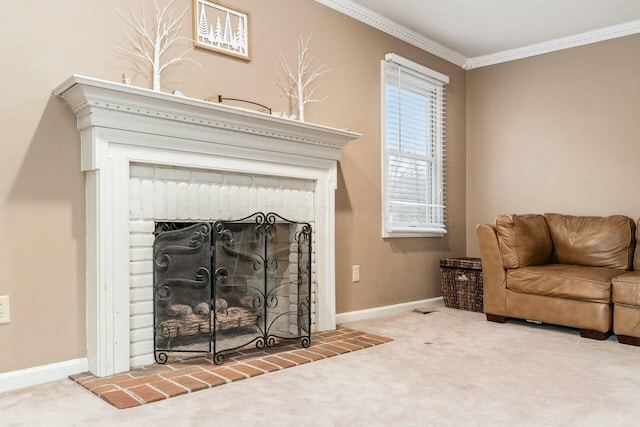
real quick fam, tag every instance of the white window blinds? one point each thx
(413, 149)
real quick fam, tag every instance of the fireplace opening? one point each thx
(223, 285)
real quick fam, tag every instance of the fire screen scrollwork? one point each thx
(219, 287)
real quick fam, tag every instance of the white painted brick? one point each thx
(278, 201)
(173, 174)
(140, 254)
(172, 200)
(261, 200)
(224, 203)
(243, 202)
(271, 200)
(311, 203)
(141, 294)
(135, 199)
(293, 184)
(140, 267)
(209, 177)
(147, 199)
(204, 201)
(265, 181)
(141, 281)
(140, 321)
(194, 204)
(139, 348)
(234, 203)
(253, 200)
(287, 210)
(182, 200)
(143, 360)
(160, 205)
(235, 179)
(143, 307)
(141, 334)
(141, 240)
(140, 171)
(142, 226)
(215, 201)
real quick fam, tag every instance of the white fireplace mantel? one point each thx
(121, 124)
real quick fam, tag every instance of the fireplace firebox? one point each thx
(224, 285)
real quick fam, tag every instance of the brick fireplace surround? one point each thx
(151, 156)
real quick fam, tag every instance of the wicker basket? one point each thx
(461, 280)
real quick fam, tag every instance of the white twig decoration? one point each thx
(298, 85)
(150, 42)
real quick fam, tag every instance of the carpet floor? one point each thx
(447, 368)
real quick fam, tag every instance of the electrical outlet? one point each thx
(355, 273)
(4, 309)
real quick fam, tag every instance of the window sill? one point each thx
(403, 233)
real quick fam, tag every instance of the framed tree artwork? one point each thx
(221, 28)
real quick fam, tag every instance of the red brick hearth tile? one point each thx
(375, 339)
(191, 383)
(264, 366)
(97, 382)
(82, 377)
(298, 360)
(169, 388)
(352, 334)
(210, 379)
(318, 348)
(120, 399)
(335, 349)
(183, 371)
(346, 345)
(147, 394)
(138, 381)
(158, 382)
(104, 389)
(228, 374)
(283, 363)
(309, 354)
(247, 370)
(358, 343)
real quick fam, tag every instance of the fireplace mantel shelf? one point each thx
(122, 126)
(102, 103)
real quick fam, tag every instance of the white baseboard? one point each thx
(386, 310)
(42, 374)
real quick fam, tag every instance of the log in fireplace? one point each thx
(224, 285)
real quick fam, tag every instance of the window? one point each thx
(412, 149)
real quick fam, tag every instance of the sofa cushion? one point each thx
(625, 289)
(636, 257)
(524, 240)
(564, 281)
(592, 241)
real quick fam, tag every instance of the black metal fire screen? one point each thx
(221, 286)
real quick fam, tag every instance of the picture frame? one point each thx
(221, 28)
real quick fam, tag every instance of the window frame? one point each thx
(433, 81)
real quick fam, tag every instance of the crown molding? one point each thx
(390, 27)
(602, 34)
(401, 32)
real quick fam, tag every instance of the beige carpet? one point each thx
(446, 368)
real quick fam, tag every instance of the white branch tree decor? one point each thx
(299, 84)
(150, 41)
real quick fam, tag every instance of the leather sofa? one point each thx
(575, 271)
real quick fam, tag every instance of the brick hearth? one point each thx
(152, 383)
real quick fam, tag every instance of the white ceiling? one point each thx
(480, 32)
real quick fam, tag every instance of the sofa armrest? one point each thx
(493, 273)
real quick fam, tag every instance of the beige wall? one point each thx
(555, 133)
(42, 189)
